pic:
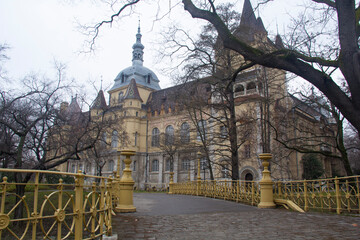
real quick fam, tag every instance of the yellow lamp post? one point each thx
(266, 184)
(125, 201)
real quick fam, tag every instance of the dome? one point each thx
(142, 75)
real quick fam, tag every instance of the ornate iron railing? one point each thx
(338, 195)
(239, 191)
(56, 211)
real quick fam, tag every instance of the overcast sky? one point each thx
(41, 31)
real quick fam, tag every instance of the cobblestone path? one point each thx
(162, 216)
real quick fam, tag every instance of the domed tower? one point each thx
(145, 79)
(129, 94)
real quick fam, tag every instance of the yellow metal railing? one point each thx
(238, 191)
(332, 195)
(56, 211)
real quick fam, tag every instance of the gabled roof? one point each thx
(99, 102)
(132, 91)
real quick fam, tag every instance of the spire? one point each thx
(247, 16)
(138, 49)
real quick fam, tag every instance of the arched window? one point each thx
(111, 166)
(251, 87)
(121, 96)
(155, 137)
(239, 89)
(185, 133)
(201, 131)
(155, 165)
(185, 164)
(169, 135)
(114, 139)
(249, 177)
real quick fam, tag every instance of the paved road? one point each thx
(162, 216)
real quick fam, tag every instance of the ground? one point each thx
(163, 216)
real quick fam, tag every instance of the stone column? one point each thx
(266, 184)
(125, 201)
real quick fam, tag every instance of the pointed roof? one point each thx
(73, 107)
(99, 101)
(132, 91)
(247, 16)
(249, 24)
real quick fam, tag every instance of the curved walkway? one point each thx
(163, 216)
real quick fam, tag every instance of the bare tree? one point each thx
(39, 132)
(306, 65)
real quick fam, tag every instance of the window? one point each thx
(148, 79)
(201, 133)
(169, 135)
(225, 172)
(122, 78)
(185, 133)
(135, 138)
(223, 132)
(81, 167)
(73, 168)
(251, 87)
(120, 97)
(103, 139)
(168, 165)
(111, 166)
(203, 163)
(114, 139)
(185, 164)
(88, 168)
(247, 151)
(155, 165)
(137, 114)
(239, 89)
(134, 166)
(155, 137)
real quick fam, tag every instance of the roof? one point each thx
(249, 24)
(168, 98)
(99, 102)
(132, 91)
(142, 75)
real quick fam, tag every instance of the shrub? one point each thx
(313, 168)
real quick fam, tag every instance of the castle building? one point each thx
(157, 125)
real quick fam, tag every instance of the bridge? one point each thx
(78, 206)
(164, 216)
